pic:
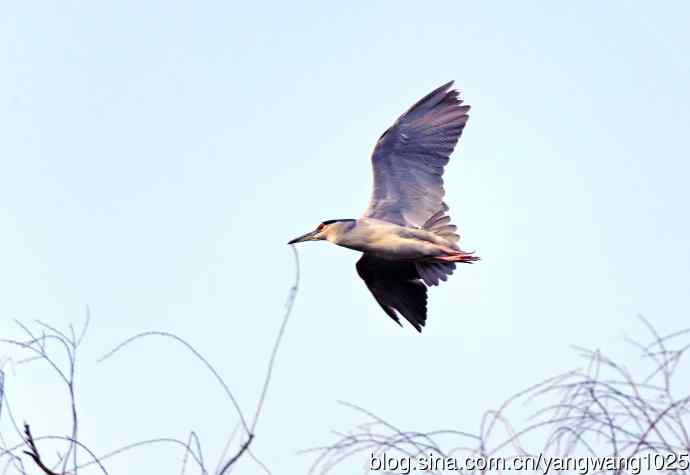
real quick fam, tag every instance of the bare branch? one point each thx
(271, 363)
(603, 410)
(33, 452)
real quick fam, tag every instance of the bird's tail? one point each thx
(439, 268)
(439, 224)
(434, 272)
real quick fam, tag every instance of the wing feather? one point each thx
(410, 157)
(397, 288)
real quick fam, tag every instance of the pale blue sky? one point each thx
(156, 157)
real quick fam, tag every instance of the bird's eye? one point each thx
(320, 227)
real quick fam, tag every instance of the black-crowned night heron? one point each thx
(405, 233)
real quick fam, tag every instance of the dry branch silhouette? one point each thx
(45, 344)
(603, 410)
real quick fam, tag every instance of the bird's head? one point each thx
(328, 230)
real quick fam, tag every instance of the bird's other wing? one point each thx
(409, 157)
(396, 287)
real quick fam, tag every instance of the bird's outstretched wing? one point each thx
(396, 287)
(409, 157)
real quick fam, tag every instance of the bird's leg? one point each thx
(458, 256)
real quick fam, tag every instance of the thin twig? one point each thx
(271, 363)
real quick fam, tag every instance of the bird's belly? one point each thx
(399, 248)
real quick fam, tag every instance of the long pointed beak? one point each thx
(306, 237)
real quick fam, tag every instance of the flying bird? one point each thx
(405, 234)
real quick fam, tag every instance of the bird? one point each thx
(405, 234)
